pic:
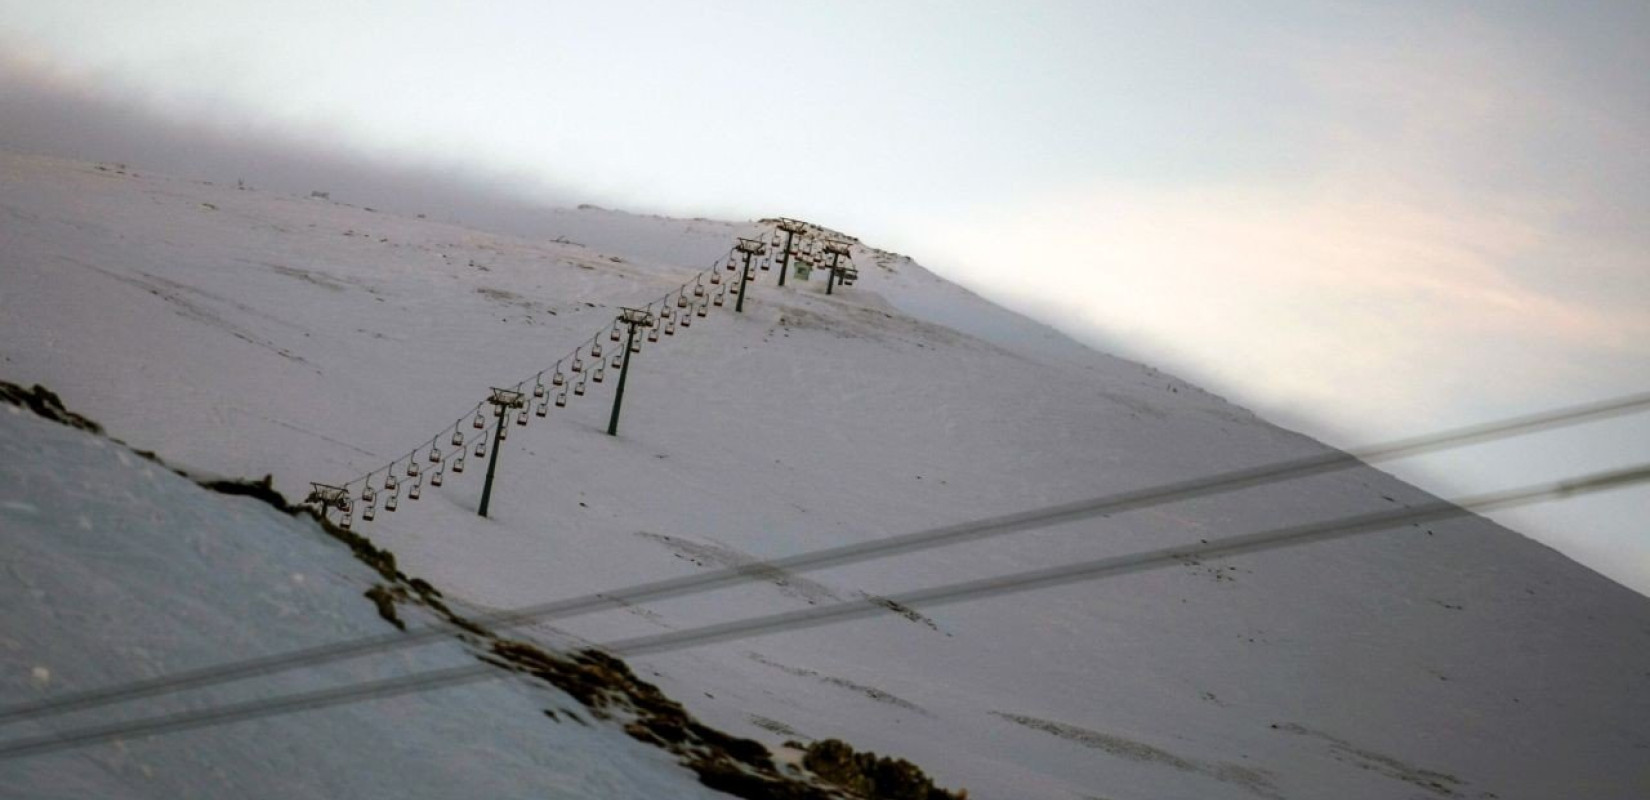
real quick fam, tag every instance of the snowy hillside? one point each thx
(243, 333)
(136, 571)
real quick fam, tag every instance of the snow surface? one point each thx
(117, 569)
(246, 333)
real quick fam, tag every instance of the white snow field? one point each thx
(244, 333)
(118, 569)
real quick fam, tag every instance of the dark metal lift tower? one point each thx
(748, 248)
(791, 229)
(632, 318)
(503, 400)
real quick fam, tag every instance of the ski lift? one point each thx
(635, 347)
(538, 389)
(749, 278)
(703, 308)
(731, 267)
(578, 388)
(367, 494)
(718, 298)
(481, 447)
(458, 463)
(390, 482)
(389, 503)
(764, 264)
(478, 424)
(578, 365)
(596, 349)
(458, 438)
(681, 301)
(687, 320)
(412, 468)
(435, 455)
(597, 373)
(665, 312)
(504, 433)
(521, 417)
(612, 335)
(544, 408)
(413, 491)
(618, 360)
(557, 379)
(561, 399)
(435, 478)
(343, 522)
(653, 334)
(670, 328)
(698, 290)
(368, 513)
(715, 278)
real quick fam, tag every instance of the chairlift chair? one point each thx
(715, 278)
(504, 433)
(578, 365)
(435, 455)
(521, 417)
(390, 503)
(596, 350)
(413, 491)
(368, 513)
(481, 447)
(544, 408)
(435, 478)
(618, 360)
(390, 482)
(538, 390)
(687, 320)
(718, 298)
(702, 310)
(478, 424)
(612, 335)
(561, 399)
(578, 388)
(596, 374)
(653, 334)
(458, 438)
(670, 328)
(458, 463)
(343, 522)
(681, 301)
(698, 290)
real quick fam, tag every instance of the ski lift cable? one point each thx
(364, 478)
(841, 555)
(944, 594)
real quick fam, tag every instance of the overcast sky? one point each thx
(1361, 220)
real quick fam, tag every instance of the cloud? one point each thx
(95, 116)
(1429, 263)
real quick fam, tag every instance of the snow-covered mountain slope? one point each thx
(118, 569)
(246, 333)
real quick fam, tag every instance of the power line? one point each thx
(1096, 569)
(845, 554)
